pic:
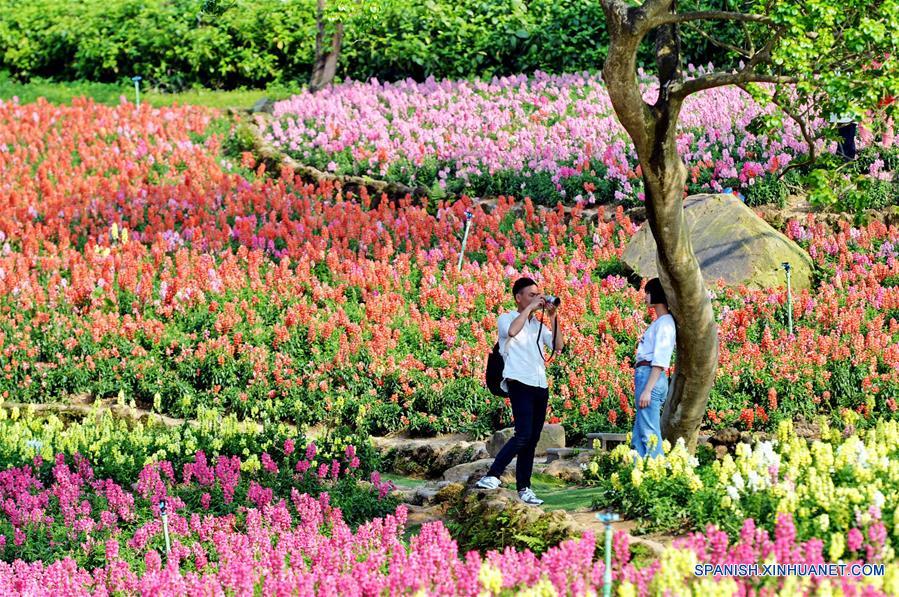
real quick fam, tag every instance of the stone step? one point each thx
(618, 438)
(553, 454)
(608, 440)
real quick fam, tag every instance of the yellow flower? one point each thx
(251, 464)
(543, 588)
(115, 231)
(626, 589)
(837, 546)
(677, 567)
(710, 587)
(490, 578)
(636, 477)
(616, 484)
(784, 431)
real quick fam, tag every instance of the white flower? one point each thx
(733, 493)
(737, 480)
(756, 481)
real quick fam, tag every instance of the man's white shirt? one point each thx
(523, 361)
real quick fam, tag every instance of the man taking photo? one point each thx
(524, 378)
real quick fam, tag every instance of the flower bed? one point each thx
(62, 510)
(548, 137)
(138, 262)
(841, 492)
(302, 545)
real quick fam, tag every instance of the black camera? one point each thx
(552, 300)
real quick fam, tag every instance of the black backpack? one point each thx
(494, 375)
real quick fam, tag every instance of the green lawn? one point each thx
(556, 494)
(109, 93)
(559, 496)
(401, 481)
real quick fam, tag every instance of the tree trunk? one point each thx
(324, 67)
(653, 130)
(697, 331)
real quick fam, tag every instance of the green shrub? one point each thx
(477, 523)
(175, 44)
(769, 189)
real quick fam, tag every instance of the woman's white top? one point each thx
(658, 342)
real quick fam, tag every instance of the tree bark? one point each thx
(653, 129)
(324, 67)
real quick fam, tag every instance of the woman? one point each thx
(650, 377)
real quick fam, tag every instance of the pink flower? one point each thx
(268, 464)
(112, 550)
(854, 539)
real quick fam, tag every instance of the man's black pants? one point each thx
(529, 410)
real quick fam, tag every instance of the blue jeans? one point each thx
(648, 420)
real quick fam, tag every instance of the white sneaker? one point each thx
(488, 482)
(529, 497)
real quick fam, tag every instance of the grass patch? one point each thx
(401, 481)
(558, 495)
(110, 93)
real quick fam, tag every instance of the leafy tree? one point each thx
(810, 57)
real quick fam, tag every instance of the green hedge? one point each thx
(227, 44)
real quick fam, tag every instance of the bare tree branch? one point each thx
(710, 81)
(667, 57)
(804, 126)
(748, 36)
(718, 42)
(711, 15)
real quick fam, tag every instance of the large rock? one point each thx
(469, 472)
(565, 470)
(553, 436)
(731, 242)
(426, 457)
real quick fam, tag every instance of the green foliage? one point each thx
(120, 449)
(849, 189)
(768, 189)
(477, 525)
(175, 44)
(843, 50)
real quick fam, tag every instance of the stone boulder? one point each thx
(427, 457)
(498, 519)
(732, 243)
(565, 470)
(553, 436)
(469, 472)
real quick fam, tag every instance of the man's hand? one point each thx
(537, 303)
(645, 399)
(551, 310)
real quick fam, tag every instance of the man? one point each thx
(650, 380)
(524, 378)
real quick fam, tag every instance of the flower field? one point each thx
(840, 491)
(276, 522)
(549, 137)
(137, 262)
(144, 262)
